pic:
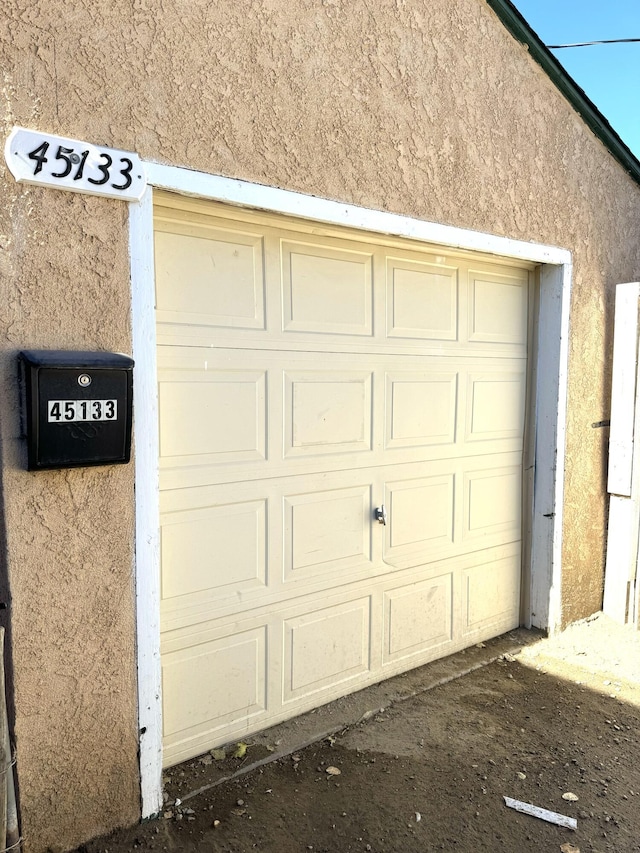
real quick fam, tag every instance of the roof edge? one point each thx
(583, 105)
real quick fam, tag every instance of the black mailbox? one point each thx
(78, 408)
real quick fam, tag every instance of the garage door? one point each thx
(341, 439)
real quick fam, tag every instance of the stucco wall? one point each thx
(64, 284)
(427, 109)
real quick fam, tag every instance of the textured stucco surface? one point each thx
(427, 109)
(64, 281)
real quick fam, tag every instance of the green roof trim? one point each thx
(590, 114)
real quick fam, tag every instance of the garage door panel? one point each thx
(491, 595)
(420, 525)
(496, 405)
(209, 549)
(325, 531)
(211, 416)
(265, 419)
(313, 535)
(421, 409)
(327, 412)
(213, 256)
(497, 308)
(422, 300)
(222, 678)
(325, 647)
(326, 289)
(492, 503)
(417, 617)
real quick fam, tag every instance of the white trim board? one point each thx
(621, 570)
(550, 404)
(147, 508)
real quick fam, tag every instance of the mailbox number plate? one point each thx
(76, 411)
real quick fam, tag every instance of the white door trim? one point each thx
(550, 406)
(147, 507)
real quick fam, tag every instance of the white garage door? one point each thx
(311, 378)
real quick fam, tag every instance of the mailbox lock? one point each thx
(84, 380)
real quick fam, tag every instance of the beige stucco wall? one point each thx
(426, 109)
(64, 284)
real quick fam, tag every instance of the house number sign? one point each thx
(70, 164)
(75, 411)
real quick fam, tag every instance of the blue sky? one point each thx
(608, 73)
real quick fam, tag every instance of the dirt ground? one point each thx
(429, 769)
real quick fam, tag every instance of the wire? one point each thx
(589, 43)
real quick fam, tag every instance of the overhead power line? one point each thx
(589, 43)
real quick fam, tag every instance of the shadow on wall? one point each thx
(12, 836)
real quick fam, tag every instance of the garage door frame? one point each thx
(549, 412)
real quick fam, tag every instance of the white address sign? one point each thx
(77, 411)
(70, 164)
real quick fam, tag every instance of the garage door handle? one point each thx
(381, 514)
